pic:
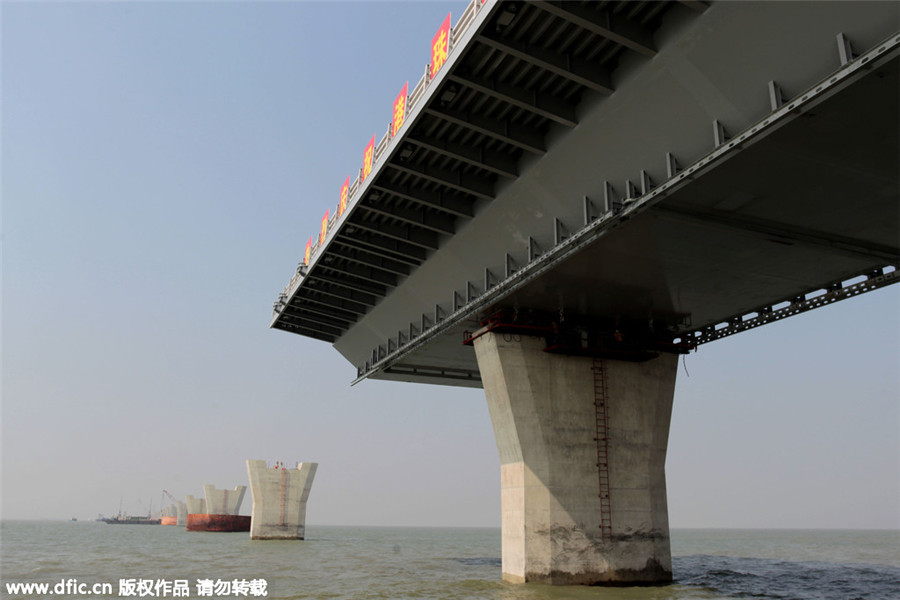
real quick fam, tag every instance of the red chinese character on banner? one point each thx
(308, 250)
(440, 45)
(367, 159)
(324, 228)
(399, 110)
(345, 189)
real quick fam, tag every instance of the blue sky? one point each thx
(163, 165)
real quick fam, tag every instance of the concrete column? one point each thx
(555, 527)
(180, 513)
(195, 506)
(223, 502)
(279, 500)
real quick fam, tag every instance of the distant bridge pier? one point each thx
(582, 445)
(219, 510)
(195, 506)
(224, 502)
(279, 500)
(181, 513)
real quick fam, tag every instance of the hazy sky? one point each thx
(163, 165)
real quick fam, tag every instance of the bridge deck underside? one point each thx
(613, 162)
(814, 203)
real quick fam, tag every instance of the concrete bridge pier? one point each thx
(224, 502)
(582, 445)
(195, 506)
(279, 499)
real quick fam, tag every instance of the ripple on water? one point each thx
(358, 563)
(773, 578)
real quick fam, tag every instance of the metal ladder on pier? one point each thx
(283, 493)
(602, 439)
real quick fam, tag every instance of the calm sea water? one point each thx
(442, 564)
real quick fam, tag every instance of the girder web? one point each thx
(614, 208)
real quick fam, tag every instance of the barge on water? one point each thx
(210, 522)
(127, 520)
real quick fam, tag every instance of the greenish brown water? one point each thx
(440, 564)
